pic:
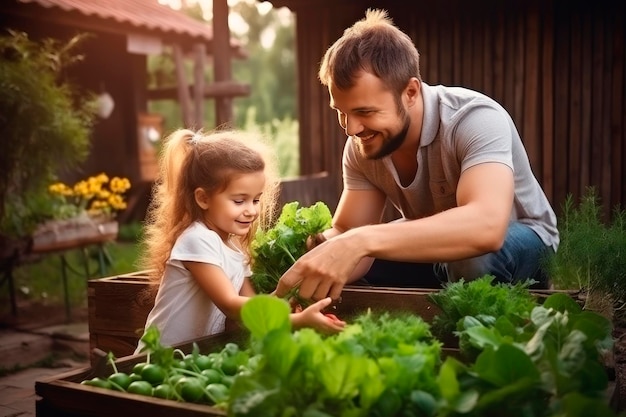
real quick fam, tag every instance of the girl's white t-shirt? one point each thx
(182, 310)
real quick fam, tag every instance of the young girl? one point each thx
(213, 192)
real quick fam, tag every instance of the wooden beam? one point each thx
(198, 87)
(214, 90)
(184, 96)
(221, 63)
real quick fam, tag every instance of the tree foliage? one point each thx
(271, 72)
(271, 107)
(45, 125)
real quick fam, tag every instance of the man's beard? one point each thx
(392, 143)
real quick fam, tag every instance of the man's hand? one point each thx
(321, 272)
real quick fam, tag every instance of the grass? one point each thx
(40, 280)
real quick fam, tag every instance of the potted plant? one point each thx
(85, 211)
(45, 125)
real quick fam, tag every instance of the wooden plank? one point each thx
(357, 300)
(307, 190)
(446, 60)
(597, 111)
(457, 51)
(519, 89)
(508, 98)
(118, 307)
(222, 70)
(586, 101)
(475, 62)
(531, 134)
(561, 123)
(574, 111)
(198, 84)
(618, 192)
(488, 52)
(546, 107)
(431, 39)
(213, 90)
(498, 57)
(184, 96)
(605, 183)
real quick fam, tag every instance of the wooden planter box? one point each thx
(59, 235)
(118, 307)
(64, 396)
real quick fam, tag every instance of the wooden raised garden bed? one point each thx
(118, 307)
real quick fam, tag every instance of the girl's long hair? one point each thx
(189, 160)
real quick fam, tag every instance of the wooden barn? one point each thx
(122, 34)
(556, 65)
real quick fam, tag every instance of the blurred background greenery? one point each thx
(271, 109)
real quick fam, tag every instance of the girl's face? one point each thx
(233, 210)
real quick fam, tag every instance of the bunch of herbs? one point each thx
(275, 250)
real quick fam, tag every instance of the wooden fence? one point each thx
(557, 66)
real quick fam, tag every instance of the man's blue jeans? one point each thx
(521, 257)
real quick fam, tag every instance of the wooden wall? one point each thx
(557, 66)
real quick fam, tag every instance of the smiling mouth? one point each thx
(366, 138)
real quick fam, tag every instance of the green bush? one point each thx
(45, 126)
(592, 252)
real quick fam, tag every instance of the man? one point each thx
(448, 158)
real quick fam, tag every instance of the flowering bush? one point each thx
(98, 196)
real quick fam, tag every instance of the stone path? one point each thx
(33, 350)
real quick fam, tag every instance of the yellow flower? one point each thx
(97, 195)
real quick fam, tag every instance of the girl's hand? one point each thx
(315, 240)
(313, 317)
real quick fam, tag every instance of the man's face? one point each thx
(369, 114)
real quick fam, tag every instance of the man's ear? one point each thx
(412, 91)
(201, 197)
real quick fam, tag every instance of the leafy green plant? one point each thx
(480, 298)
(380, 365)
(171, 374)
(388, 364)
(592, 252)
(45, 125)
(276, 249)
(549, 366)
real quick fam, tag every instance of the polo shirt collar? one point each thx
(430, 121)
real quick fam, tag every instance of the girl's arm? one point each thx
(219, 288)
(247, 290)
